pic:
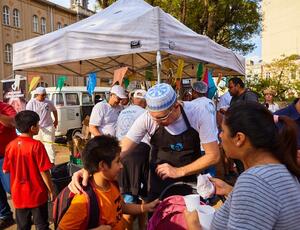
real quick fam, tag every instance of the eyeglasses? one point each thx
(164, 117)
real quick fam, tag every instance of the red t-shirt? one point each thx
(24, 159)
(7, 134)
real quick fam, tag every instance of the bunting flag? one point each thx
(126, 83)
(149, 73)
(119, 75)
(180, 68)
(33, 83)
(200, 71)
(212, 88)
(92, 82)
(60, 82)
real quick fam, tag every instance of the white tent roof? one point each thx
(105, 42)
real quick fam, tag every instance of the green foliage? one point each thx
(282, 76)
(231, 23)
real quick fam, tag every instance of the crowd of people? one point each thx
(150, 140)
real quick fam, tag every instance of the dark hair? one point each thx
(237, 81)
(257, 123)
(25, 120)
(101, 148)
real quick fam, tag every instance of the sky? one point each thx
(255, 55)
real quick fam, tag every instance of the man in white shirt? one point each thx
(104, 115)
(43, 107)
(176, 131)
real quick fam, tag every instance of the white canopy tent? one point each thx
(128, 33)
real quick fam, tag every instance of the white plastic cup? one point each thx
(192, 202)
(206, 215)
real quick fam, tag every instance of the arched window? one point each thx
(59, 25)
(16, 18)
(35, 24)
(6, 15)
(43, 25)
(8, 53)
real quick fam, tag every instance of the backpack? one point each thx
(63, 202)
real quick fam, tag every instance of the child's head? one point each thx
(27, 121)
(102, 153)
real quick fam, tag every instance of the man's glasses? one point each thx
(164, 117)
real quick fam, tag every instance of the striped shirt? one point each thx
(264, 197)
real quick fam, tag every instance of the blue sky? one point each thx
(255, 55)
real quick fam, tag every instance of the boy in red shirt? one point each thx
(28, 164)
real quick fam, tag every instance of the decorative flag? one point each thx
(33, 83)
(199, 71)
(212, 88)
(92, 82)
(149, 73)
(60, 82)
(126, 82)
(119, 75)
(180, 68)
(205, 76)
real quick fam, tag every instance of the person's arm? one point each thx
(211, 157)
(94, 130)
(48, 182)
(222, 188)
(127, 145)
(55, 122)
(135, 209)
(192, 220)
(7, 121)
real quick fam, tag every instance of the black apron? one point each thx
(176, 150)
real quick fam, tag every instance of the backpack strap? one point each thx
(93, 207)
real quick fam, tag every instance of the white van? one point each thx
(73, 104)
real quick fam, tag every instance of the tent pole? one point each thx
(158, 66)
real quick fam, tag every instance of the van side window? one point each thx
(87, 99)
(59, 99)
(72, 99)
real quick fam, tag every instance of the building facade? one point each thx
(25, 19)
(281, 29)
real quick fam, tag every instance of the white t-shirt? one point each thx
(224, 102)
(126, 119)
(43, 109)
(201, 119)
(273, 107)
(105, 117)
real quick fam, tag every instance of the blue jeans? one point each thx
(5, 211)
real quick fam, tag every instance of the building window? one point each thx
(43, 25)
(59, 26)
(16, 17)
(268, 74)
(6, 15)
(8, 53)
(35, 24)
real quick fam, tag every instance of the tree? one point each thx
(231, 23)
(282, 75)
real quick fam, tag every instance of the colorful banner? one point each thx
(61, 82)
(119, 75)
(92, 82)
(212, 88)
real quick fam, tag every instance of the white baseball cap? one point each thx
(40, 90)
(160, 97)
(200, 87)
(119, 91)
(140, 93)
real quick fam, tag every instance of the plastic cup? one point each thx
(206, 215)
(192, 202)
